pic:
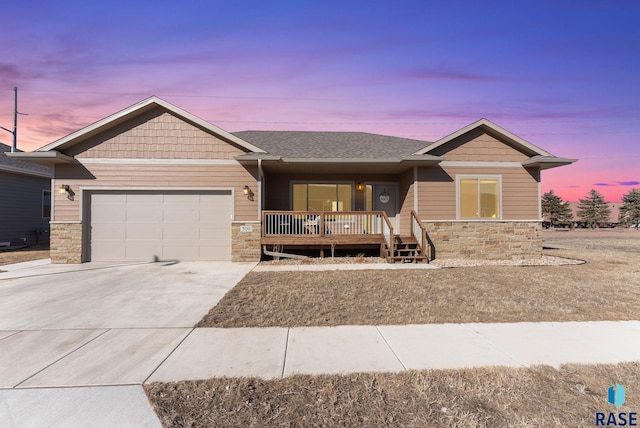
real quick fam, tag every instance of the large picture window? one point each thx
(479, 197)
(322, 197)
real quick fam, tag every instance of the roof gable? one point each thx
(492, 129)
(135, 110)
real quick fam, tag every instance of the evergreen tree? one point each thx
(630, 209)
(593, 209)
(555, 210)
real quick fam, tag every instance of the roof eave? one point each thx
(426, 160)
(545, 162)
(44, 158)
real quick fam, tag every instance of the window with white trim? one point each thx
(479, 197)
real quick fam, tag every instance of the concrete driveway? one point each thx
(107, 326)
(92, 295)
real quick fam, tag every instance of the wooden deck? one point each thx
(344, 229)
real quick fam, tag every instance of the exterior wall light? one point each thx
(360, 186)
(65, 189)
(247, 191)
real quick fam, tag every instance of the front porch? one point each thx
(328, 230)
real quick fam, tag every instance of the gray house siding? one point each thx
(21, 208)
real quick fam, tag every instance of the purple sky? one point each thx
(564, 75)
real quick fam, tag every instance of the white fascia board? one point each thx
(48, 157)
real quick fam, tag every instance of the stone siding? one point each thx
(66, 243)
(245, 245)
(491, 240)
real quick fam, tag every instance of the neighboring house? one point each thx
(154, 181)
(25, 201)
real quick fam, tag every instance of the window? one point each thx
(321, 197)
(46, 204)
(479, 197)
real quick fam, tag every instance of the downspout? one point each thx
(539, 195)
(260, 188)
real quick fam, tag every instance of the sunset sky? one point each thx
(563, 75)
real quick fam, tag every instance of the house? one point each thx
(154, 181)
(25, 201)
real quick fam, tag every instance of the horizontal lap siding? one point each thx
(159, 176)
(21, 206)
(437, 192)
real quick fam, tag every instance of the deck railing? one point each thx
(419, 232)
(313, 223)
(329, 227)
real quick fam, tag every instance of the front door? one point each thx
(384, 197)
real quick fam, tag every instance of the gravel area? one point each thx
(545, 260)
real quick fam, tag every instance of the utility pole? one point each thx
(14, 147)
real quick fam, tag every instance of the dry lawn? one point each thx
(487, 397)
(607, 287)
(23, 255)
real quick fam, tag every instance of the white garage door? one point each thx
(139, 226)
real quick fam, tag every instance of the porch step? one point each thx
(407, 250)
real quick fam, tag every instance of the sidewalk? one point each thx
(134, 356)
(278, 352)
(95, 377)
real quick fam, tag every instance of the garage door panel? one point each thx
(184, 213)
(142, 230)
(110, 231)
(167, 225)
(143, 250)
(108, 212)
(144, 212)
(109, 198)
(180, 231)
(145, 198)
(180, 250)
(109, 249)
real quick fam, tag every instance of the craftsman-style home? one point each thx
(156, 182)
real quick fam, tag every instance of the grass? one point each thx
(23, 255)
(606, 287)
(610, 279)
(480, 397)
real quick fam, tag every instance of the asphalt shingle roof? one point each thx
(21, 165)
(312, 144)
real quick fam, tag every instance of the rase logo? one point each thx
(615, 396)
